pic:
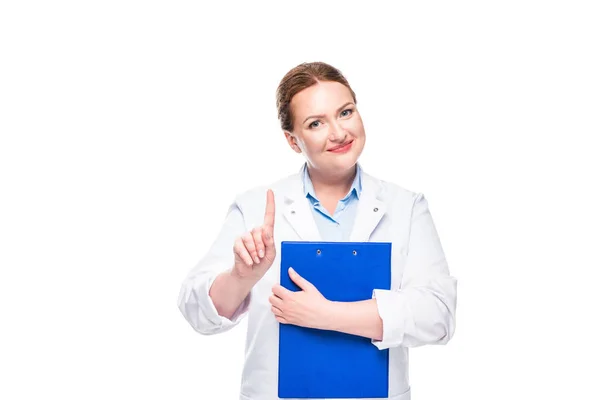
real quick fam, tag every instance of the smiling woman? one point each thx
(330, 199)
(318, 113)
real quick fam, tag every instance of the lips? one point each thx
(341, 147)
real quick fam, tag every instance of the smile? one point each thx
(342, 149)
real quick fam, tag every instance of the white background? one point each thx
(127, 127)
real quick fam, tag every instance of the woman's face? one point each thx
(325, 118)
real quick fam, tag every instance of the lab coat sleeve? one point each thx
(422, 311)
(194, 302)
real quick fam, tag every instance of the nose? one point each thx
(337, 133)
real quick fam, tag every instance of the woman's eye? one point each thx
(345, 111)
(311, 124)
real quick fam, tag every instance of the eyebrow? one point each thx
(321, 116)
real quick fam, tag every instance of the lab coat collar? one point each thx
(297, 211)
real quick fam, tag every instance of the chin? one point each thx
(343, 161)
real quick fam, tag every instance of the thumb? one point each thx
(300, 281)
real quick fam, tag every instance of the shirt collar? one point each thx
(309, 189)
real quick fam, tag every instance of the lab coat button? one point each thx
(376, 209)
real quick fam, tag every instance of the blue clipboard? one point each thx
(317, 363)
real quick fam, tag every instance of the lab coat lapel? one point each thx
(370, 209)
(297, 210)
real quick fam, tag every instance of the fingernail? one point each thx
(261, 254)
(292, 270)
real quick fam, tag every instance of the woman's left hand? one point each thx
(307, 307)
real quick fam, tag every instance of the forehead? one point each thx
(321, 98)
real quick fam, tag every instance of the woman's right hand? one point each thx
(255, 250)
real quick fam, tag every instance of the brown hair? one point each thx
(300, 78)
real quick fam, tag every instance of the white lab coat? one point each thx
(419, 310)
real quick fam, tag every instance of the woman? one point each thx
(330, 199)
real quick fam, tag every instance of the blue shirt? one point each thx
(336, 227)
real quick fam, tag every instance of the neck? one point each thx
(332, 184)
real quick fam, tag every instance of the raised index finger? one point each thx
(270, 210)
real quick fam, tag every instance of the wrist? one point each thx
(242, 281)
(330, 315)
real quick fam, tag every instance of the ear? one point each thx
(291, 139)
